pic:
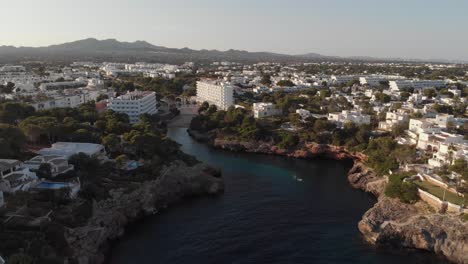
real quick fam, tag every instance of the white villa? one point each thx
(264, 110)
(58, 164)
(349, 116)
(447, 153)
(392, 119)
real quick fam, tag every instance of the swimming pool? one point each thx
(52, 185)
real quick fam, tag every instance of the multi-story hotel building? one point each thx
(215, 93)
(134, 104)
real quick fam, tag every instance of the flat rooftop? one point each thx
(5, 164)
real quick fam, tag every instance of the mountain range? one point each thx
(114, 50)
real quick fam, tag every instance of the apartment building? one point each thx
(216, 93)
(134, 104)
(398, 85)
(376, 80)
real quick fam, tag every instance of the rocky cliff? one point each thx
(110, 216)
(390, 222)
(399, 225)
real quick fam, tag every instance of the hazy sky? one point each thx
(385, 28)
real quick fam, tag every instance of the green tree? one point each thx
(44, 171)
(204, 106)
(266, 80)
(285, 83)
(20, 258)
(111, 142)
(35, 126)
(430, 93)
(12, 141)
(407, 192)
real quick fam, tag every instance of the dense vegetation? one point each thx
(406, 191)
(23, 129)
(162, 86)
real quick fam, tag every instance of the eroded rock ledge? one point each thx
(389, 222)
(111, 216)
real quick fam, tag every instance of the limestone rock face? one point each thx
(392, 223)
(110, 216)
(361, 177)
(311, 150)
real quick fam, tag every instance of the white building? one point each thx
(66, 98)
(58, 164)
(62, 85)
(19, 180)
(134, 104)
(432, 141)
(376, 80)
(392, 119)
(215, 93)
(443, 119)
(397, 85)
(264, 110)
(303, 113)
(447, 153)
(8, 166)
(349, 116)
(343, 79)
(68, 149)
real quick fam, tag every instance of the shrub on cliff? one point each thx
(407, 192)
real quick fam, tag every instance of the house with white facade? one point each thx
(447, 153)
(58, 164)
(392, 119)
(134, 104)
(443, 119)
(345, 116)
(431, 140)
(264, 110)
(19, 180)
(216, 93)
(8, 166)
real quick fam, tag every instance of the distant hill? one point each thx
(114, 50)
(111, 49)
(94, 45)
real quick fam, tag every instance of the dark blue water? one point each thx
(266, 215)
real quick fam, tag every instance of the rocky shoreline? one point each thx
(389, 223)
(110, 216)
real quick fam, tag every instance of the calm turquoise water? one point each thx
(274, 210)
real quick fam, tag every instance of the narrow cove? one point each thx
(274, 210)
